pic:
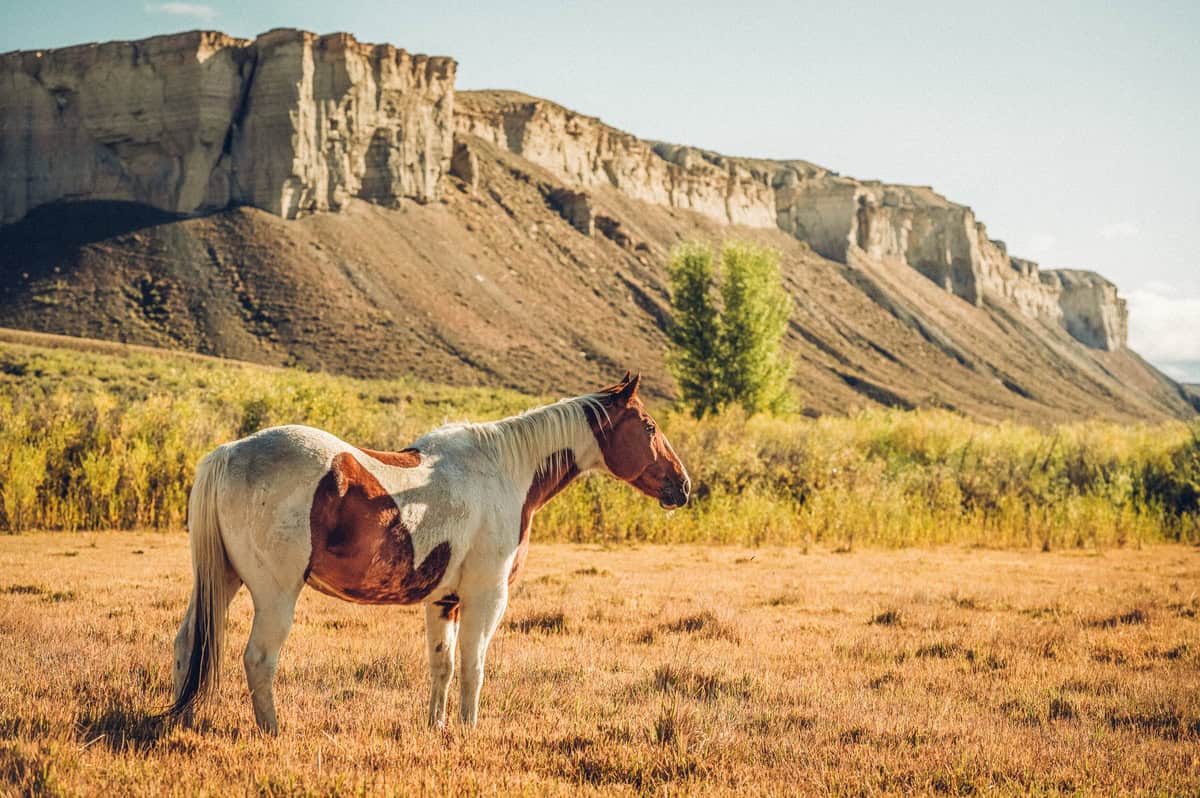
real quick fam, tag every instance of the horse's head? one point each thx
(636, 450)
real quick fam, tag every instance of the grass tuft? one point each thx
(698, 684)
(25, 590)
(1135, 616)
(1165, 721)
(550, 623)
(121, 728)
(385, 671)
(967, 602)
(1061, 708)
(940, 650)
(703, 624)
(887, 618)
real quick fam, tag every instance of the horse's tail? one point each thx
(209, 599)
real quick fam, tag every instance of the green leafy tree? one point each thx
(753, 323)
(695, 327)
(732, 354)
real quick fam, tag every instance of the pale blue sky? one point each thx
(1070, 127)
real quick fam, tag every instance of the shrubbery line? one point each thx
(110, 442)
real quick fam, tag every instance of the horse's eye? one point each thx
(650, 428)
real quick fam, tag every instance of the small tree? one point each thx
(754, 321)
(732, 354)
(695, 328)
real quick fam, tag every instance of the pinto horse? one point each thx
(444, 523)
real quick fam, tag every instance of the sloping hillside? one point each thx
(538, 264)
(491, 284)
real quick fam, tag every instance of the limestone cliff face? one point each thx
(197, 121)
(943, 240)
(585, 152)
(139, 121)
(940, 239)
(1091, 310)
(328, 118)
(293, 122)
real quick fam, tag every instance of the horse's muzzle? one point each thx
(675, 495)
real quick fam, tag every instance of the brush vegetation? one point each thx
(109, 440)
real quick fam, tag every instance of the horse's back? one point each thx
(276, 447)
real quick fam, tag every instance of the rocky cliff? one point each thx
(1091, 310)
(199, 121)
(839, 217)
(585, 152)
(292, 122)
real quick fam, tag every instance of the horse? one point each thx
(444, 523)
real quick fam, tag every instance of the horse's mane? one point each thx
(524, 441)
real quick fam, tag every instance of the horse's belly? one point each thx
(361, 549)
(379, 583)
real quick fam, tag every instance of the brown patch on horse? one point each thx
(405, 458)
(554, 474)
(361, 550)
(451, 610)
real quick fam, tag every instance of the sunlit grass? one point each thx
(630, 669)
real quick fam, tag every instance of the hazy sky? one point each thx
(1072, 128)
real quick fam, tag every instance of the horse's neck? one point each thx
(546, 446)
(555, 473)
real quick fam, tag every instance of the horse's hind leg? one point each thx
(441, 629)
(272, 622)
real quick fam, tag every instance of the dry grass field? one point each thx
(639, 669)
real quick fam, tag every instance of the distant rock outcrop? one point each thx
(1091, 310)
(198, 121)
(941, 239)
(839, 217)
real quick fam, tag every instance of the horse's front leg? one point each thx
(481, 613)
(441, 631)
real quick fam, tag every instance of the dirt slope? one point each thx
(491, 285)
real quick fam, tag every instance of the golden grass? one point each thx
(632, 669)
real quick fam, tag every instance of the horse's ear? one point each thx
(613, 390)
(629, 388)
